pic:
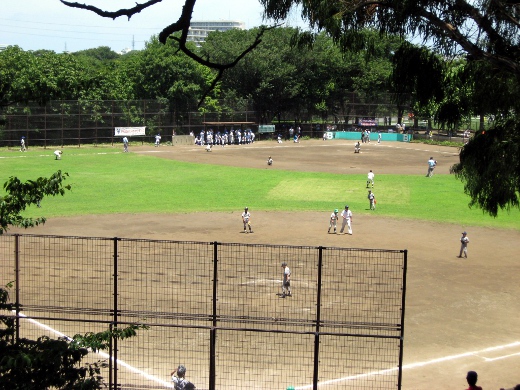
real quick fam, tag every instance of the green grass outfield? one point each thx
(107, 181)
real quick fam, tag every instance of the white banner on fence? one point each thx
(122, 131)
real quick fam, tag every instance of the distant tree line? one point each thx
(275, 78)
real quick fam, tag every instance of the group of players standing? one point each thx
(231, 137)
(346, 214)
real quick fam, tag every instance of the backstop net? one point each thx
(217, 309)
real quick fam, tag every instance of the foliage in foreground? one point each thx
(21, 195)
(490, 167)
(45, 363)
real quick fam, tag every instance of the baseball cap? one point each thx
(346, 206)
(464, 233)
(284, 264)
(336, 210)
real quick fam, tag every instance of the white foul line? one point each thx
(421, 364)
(103, 354)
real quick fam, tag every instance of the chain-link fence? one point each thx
(217, 309)
(59, 123)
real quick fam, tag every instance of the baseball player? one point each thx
(125, 144)
(286, 284)
(347, 220)
(22, 145)
(370, 179)
(246, 219)
(357, 147)
(333, 220)
(431, 166)
(372, 199)
(157, 140)
(57, 154)
(464, 245)
(269, 161)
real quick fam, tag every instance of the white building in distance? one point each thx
(200, 30)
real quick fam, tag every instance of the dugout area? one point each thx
(214, 308)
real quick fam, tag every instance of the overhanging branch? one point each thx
(128, 12)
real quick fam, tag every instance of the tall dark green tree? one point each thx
(163, 72)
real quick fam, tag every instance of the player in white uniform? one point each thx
(372, 199)
(269, 161)
(246, 219)
(22, 145)
(333, 220)
(125, 144)
(370, 179)
(286, 283)
(57, 154)
(464, 245)
(157, 140)
(357, 147)
(347, 220)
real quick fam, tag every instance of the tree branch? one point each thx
(128, 12)
(500, 6)
(472, 49)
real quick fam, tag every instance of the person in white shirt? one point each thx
(347, 220)
(370, 179)
(464, 245)
(57, 154)
(125, 144)
(333, 220)
(246, 219)
(157, 140)
(286, 283)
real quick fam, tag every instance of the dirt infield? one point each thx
(456, 309)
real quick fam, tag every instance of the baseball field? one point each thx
(461, 314)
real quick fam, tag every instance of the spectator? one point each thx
(179, 380)
(472, 378)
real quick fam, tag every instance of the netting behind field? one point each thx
(217, 308)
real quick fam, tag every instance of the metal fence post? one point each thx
(17, 284)
(213, 332)
(401, 338)
(315, 375)
(115, 316)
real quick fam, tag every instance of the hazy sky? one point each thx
(48, 24)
